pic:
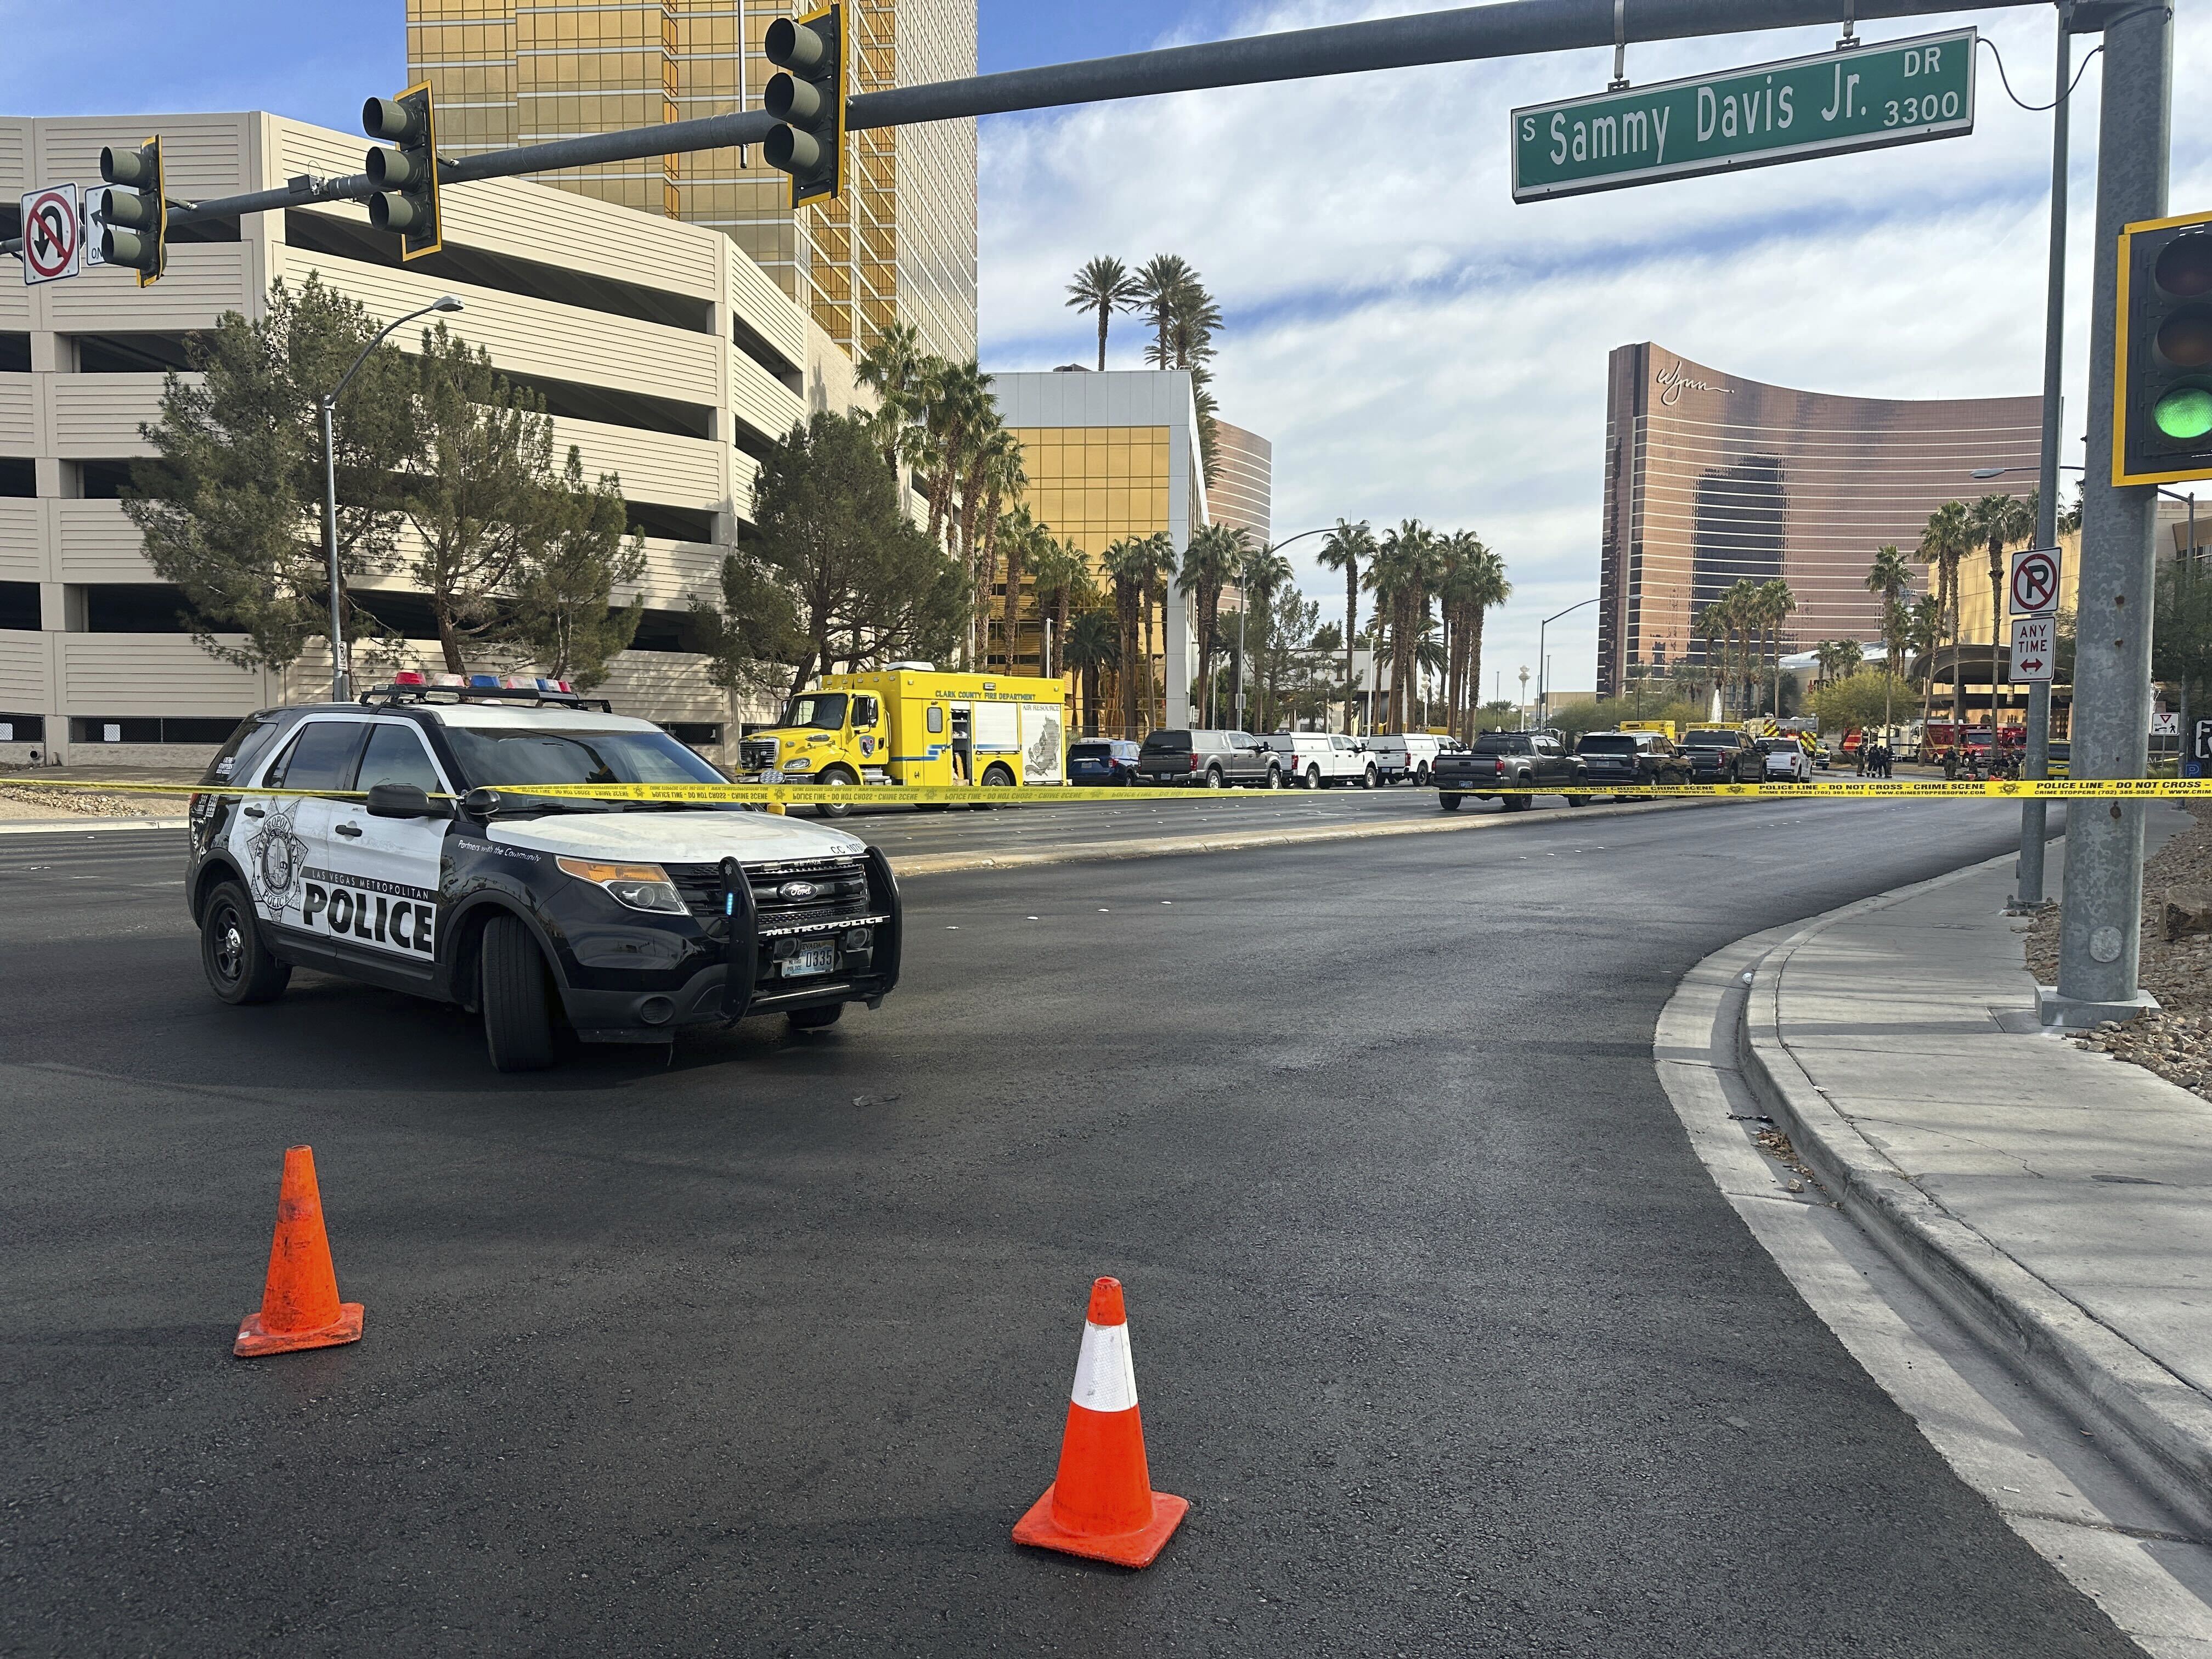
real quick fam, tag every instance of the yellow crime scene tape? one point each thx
(795, 794)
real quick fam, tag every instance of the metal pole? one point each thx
(2100, 932)
(1508, 29)
(2034, 815)
(341, 688)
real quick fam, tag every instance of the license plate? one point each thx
(810, 959)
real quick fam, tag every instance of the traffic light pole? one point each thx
(2101, 930)
(1510, 29)
(2034, 815)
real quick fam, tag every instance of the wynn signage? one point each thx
(1672, 381)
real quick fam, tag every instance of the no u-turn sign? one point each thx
(53, 238)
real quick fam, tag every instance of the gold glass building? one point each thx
(899, 246)
(1108, 456)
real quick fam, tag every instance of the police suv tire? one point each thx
(814, 1020)
(239, 969)
(518, 1021)
(834, 777)
(1449, 803)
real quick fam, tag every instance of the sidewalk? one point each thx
(2060, 1201)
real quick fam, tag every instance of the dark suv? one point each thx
(1722, 754)
(1625, 757)
(1213, 760)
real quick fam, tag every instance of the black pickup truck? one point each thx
(1509, 760)
(1722, 754)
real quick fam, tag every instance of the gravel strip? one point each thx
(2176, 1042)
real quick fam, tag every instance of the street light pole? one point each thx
(1544, 663)
(1244, 609)
(341, 678)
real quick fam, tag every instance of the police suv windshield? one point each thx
(507, 759)
(823, 712)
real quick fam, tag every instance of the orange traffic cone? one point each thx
(1103, 1505)
(300, 1305)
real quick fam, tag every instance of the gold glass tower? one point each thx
(899, 246)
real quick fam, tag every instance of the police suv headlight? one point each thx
(640, 886)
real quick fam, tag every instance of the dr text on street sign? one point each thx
(1900, 92)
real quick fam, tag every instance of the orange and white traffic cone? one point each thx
(1103, 1505)
(300, 1305)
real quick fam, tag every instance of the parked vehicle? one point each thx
(909, 724)
(1208, 760)
(1510, 760)
(1097, 763)
(1722, 754)
(1315, 760)
(1404, 756)
(1784, 760)
(2061, 759)
(415, 857)
(1630, 756)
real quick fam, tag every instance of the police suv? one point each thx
(415, 857)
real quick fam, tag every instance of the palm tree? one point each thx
(1262, 575)
(1019, 537)
(994, 473)
(1093, 645)
(1060, 578)
(1476, 582)
(1159, 565)
(1127, 564)
(1347, 548)
(1712, 625)
(1400, 575)
(1943, 543)
(1105, 286)
(1890, 577)
(1209, 564)
(1163, 283)
(899, 371)
(1926, 633)
(1776, 603)
(1999, 522)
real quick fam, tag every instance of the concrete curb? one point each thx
(938, 864)
(2151, 1420)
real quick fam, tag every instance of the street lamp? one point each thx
(2066, 466)
(1544, 663)
(340, 687)
(1244, 609)
(1524, 696)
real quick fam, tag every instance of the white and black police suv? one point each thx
(623, 920)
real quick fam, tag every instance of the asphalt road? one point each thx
(1438, 1321)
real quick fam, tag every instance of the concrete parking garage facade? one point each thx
(663, 352)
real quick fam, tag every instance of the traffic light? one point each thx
(2162, 369)
(136, 230)
(809, 97)
(406, 177)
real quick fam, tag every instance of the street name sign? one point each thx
(2034, 649)
(1900, 92)
(2035, 582)
(52, 235)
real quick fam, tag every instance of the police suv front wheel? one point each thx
(239, 969)
(518, 1014)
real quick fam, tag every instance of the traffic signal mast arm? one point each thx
(1510, 29)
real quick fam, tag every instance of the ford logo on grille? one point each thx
(797, 891)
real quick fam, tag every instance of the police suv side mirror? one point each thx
(483, 803)
(405, 800)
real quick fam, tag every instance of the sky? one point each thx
(1413, 343)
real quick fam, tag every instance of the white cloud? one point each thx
(1418, 346)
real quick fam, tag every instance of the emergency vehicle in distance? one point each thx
(415, 857)
(909, 724)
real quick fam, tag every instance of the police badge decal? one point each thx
(277, 856)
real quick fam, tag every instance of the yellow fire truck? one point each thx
(909, 724)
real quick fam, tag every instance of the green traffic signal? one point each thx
(2186, 412)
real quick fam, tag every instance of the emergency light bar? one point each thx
(413, 685)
